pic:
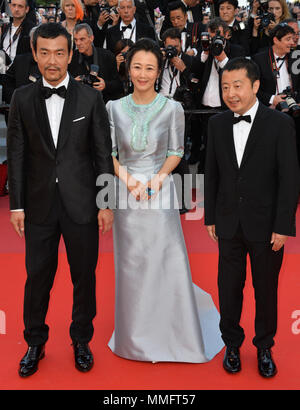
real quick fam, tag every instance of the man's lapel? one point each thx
(42, 116)
(67, 114)
(229, 141)
(254, 134)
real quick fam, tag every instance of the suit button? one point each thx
(240, 199)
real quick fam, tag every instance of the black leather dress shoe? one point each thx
(232, 361)
(29, 363)
(266, 365)
(83, 357)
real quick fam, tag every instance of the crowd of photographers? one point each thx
(197, 39)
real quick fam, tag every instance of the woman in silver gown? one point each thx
(160, 315)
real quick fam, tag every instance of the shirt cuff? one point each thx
(204, 57)
(271, 99)
(17, 210)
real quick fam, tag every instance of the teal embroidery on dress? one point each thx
(141, 116)
(179, 153)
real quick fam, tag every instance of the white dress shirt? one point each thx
(283, 80)
(10, 46)
(211, 96)
(241, 132)
(168, 78)
(54, 106)
(129, 33)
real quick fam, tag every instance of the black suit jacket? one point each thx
(231, 51)
(113, 34)
(24, 40)
(82, 154)
(21, 72)
(262, 194)
(268, 81)
(107, 70)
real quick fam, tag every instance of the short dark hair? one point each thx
(175, 5)
(217, 22)
(243, 63)
(172, 32)
(145, 44)
(51, 30)
(234, 3)
(281, 30)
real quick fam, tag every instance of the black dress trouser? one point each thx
(42, 242)
(265, 267)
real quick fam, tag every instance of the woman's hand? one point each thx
(137, 189)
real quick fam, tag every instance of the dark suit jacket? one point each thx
(262, 194)
(107, 70)
(19, 74)
(113, 34)
(83, 152)
(24, 40)
(240, 37)
(268, 76)
(231, 51)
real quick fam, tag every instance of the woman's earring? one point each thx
(157, 84)
(129, 82)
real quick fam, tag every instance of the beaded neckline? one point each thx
(141, 115)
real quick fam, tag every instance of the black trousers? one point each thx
(265, 267)
(42, 243)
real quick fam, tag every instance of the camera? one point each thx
(91, 78)
(264, 15)
(215, 45)
(170, 52)
(109, 11)
(289, 104)
(185, 94)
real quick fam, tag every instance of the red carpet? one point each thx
(110, 372)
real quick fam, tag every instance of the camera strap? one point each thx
(276, 68)
(14, 38)
(172, 74)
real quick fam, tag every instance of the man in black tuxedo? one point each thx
(193, 10)
(210, 95)
(190, 31)
(86, 55)
(278, 70)
(128, 26)
(15, 35)
(239, 32)
(251, 191)
(58, 143)
(177, 74)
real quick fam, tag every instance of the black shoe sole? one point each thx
(33, 370)
(231, 371)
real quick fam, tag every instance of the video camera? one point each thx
(91, 78)
(264, 15)
(215, 45)
(289, 104)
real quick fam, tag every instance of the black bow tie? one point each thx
(48, 92)
(280, 58)
(242, 118)
(126, 27)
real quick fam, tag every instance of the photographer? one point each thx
(88, 58)
(121, 50)
(179, 69)
(279, 81)
(108, 17)
(217, 50)
(239, 32)
(265, 16)
(15, 35)
(190, 32)
(178, 81)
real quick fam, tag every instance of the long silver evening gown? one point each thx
(160, 315)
